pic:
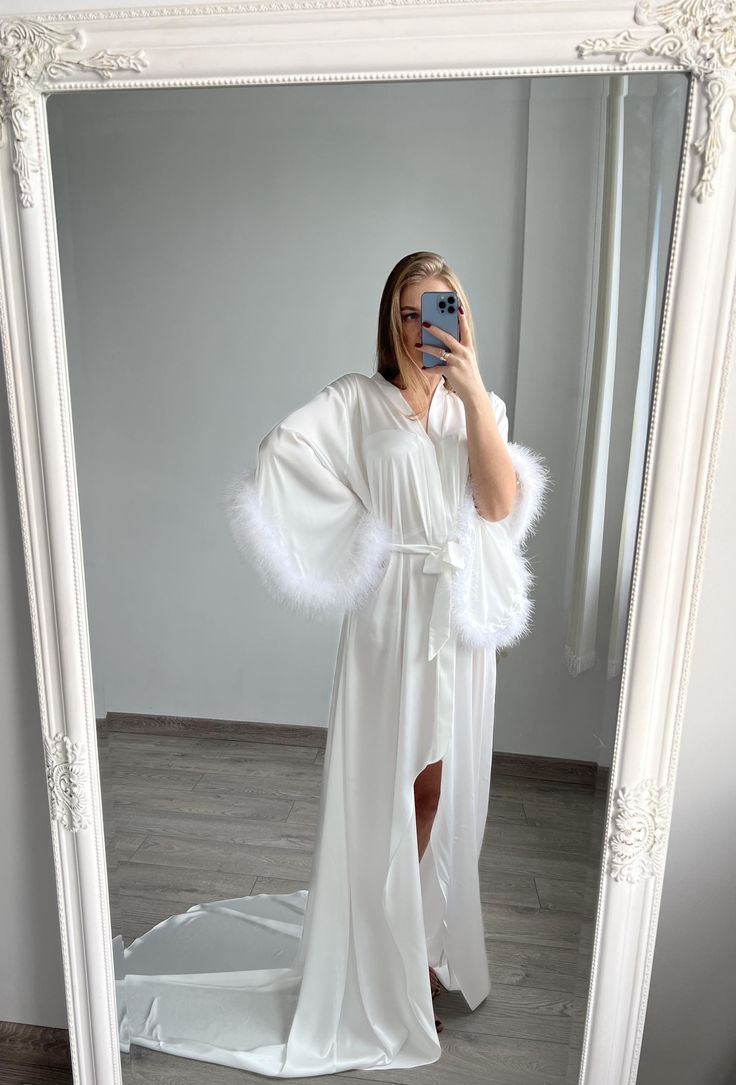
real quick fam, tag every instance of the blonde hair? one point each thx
(392, 358)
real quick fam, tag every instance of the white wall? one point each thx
(690, 1028)
(179, 363)
(31, 980)
(222, 259)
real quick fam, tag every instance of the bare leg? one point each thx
(426, 801)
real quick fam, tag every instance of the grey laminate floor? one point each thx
(204, 814)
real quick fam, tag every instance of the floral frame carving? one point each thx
(343, 40)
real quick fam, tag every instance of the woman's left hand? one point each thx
(461, 366)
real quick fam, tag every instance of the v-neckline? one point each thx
(408, 412)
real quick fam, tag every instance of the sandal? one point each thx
(438, 1024)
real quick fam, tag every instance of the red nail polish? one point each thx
(425, 324)
(461, 309)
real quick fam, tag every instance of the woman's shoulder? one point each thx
(349, 386)
(351, 381)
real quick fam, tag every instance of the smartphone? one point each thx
(439, 307)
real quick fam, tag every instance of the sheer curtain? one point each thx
(583, 596)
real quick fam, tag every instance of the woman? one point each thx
(397, 501)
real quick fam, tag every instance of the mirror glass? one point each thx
(281, 877)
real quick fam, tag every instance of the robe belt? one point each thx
(442, 559)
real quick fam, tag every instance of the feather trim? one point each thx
(258, 538)
(516, 622)
(534, 482)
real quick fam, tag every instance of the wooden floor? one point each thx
(209, 812)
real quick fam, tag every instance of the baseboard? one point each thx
(562, 770)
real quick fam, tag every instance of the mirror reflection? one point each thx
(361, 381)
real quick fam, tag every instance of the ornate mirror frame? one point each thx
(366, 40)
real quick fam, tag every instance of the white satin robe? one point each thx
(354, 508)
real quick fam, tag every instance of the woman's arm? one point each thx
(492, 472)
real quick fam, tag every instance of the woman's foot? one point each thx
(434, 982)
(438, 1024)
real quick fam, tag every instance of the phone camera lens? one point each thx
(451, 300)
(442, 305)
(451, 308)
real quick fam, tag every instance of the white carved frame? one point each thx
(359, 40)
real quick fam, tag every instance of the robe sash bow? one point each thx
(441, 560)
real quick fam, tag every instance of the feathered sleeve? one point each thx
(295, 517)
(491, 603)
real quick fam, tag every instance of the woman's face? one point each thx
(410, 301)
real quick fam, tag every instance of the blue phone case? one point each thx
(439, 307)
